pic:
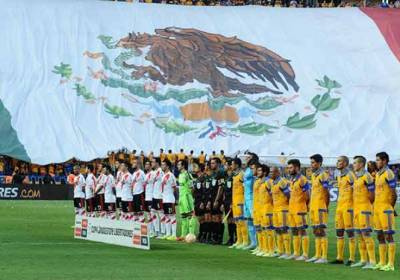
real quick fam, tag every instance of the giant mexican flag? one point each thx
(80, 78)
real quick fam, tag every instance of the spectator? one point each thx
(42, 170)
(371, 167)
(48, 179)
(2, 167)
(280, 3)
(18, 177)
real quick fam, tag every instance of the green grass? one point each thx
(36, 242)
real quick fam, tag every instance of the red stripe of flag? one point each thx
(388, 22)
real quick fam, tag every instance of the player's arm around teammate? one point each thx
(257, 208)
(262, 207)
(280, 197)
(109, 193)
(148, 196)
(208, 198)
(138, 186)
(363, 197)
(217, 183)
(79, 192)
(319, 203)
(226, 206)
(385, 200)
(252, 160)
(198, 195)
(344, 216)
(267, 214)
(168, 200)
(90, 186)
(298, 210)
(186, 204)
(126, 193)
(238, 204)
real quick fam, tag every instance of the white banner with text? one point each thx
(123, 233)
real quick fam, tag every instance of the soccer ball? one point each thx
(190, 238)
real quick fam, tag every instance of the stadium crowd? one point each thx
(16, 171)
(261, 209)
(281, 3)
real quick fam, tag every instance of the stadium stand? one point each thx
(279, 3)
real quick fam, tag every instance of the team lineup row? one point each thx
(259, 205)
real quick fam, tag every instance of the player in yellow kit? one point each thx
(344, 217)
(257, 208)
(363, 197)
(267, 213)
(237, 205)
(262, 205)
(385, 200)
(280, 198)
(319, 203)
(298, 210)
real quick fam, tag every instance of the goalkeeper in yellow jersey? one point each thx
(298, 210)
(385, 200)
(363, 196)
(319, 203)
(344, 216)
(280, 198)
(242, 240)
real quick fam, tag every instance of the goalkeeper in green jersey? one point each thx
(185, 204)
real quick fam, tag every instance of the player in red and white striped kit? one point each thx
(90, 186)
(156, 207)
(168, 200)
(118, 191)
(99, 193)
(138, 181)
(109, 193)
(126, 193)
(148, 193)
(79, 191)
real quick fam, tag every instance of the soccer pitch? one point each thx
(36, 242)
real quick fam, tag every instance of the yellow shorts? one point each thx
(257, 218)
(281, 219)
(298, 219)
(237, 210)
(267, 221)
(344, 218)
(384, 219)
(363, 218)
(319, 217)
